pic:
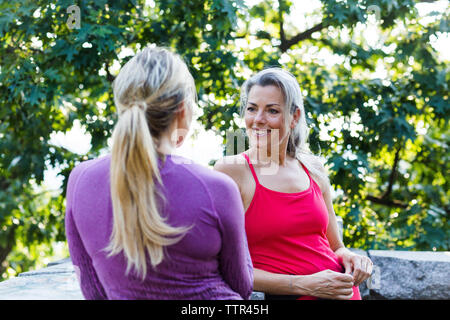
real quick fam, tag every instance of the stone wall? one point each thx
(409, 275)
(55, 282)
(397, 275)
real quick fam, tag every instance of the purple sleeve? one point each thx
(87, 276)
(235, 262)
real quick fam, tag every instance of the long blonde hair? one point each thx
(298, 139)
(148, 92)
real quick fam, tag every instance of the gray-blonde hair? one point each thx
(148, 92)
(293, 99)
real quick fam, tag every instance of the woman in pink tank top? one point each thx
(291, 226)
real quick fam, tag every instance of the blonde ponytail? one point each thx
(138, 228)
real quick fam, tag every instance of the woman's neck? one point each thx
(277, 156)
(165, 144)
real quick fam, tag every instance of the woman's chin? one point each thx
(262, 147)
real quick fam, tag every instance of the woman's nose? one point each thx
(260, 117)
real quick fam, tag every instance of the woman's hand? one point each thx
(326, 284)
(359, 266)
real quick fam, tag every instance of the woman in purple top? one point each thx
(144, 224)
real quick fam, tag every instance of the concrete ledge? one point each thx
(410, 275)
(405, 275)
(56, 282)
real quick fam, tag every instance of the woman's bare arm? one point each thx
(359, 266)
(326, 284)
(333, 230)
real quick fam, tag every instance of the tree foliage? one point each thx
(385, 137)
(377, 105)
(52, 75)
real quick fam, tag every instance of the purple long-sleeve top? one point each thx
(210, 262)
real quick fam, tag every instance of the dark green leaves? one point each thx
(378, 112)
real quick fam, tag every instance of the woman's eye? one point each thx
(251, 109)
(273, 111)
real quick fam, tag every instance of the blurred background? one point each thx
(374, 75)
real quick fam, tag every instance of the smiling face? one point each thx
(265, 118)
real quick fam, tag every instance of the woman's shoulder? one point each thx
(91, 166)
(233, 166)
(312, 160)
(88, 176)
(315, 166)
(201, 173)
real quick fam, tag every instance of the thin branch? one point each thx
(393, 174)
(387, 202)
(287, 43)
(109, 76)
(280, 13)
(9, 243)
(384, 199)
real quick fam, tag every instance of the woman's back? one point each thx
(211, 261)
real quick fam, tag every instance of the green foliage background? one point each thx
(385, 138)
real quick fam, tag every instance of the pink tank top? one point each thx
(286, 232)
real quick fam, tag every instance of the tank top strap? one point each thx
(311, 181)
(304, 168)
(251, 168)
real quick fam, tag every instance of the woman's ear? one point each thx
(183, 115)
(183, 123)
(295, 118)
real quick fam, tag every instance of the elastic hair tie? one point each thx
(140, 105)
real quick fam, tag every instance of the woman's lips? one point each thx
(260, 132)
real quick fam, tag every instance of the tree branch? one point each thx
(384, 199)
(393, 174)
(387, 202)
(9, 243)
(280, 13)
(287, 43)
(109, 76)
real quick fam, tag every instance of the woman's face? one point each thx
(264, 118)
